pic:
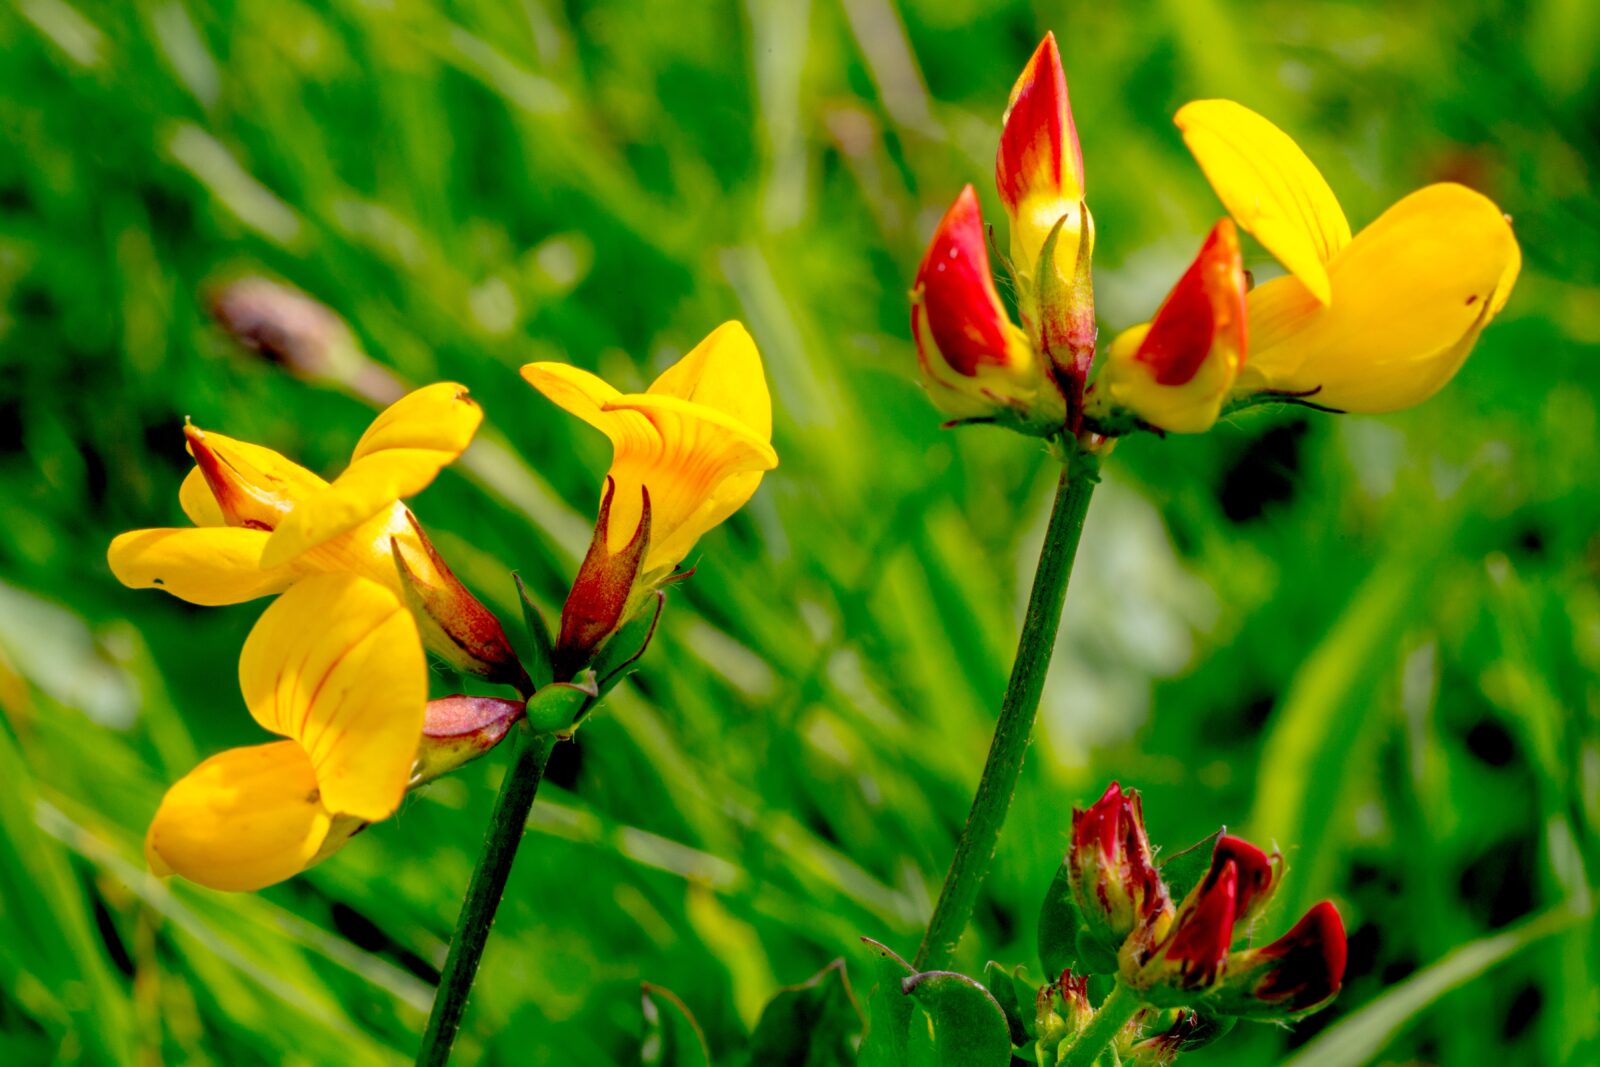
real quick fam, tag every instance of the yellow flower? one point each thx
(1175, 371)
(336, 666)
(262, 522)
(698, 441)
(1373, 323)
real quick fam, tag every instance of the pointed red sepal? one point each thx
(241, 502)
(454, 623)
(1204, 311)
(1039, 151)
(601, 593)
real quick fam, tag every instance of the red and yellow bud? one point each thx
(1297, 974)
(1061, 1011)
(1112, 869)
(976, 363)
(1039, 167)
(1175, 372)
(1195, 948)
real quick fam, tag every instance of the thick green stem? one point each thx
(483, 893)
(1103, 1028)
(1014, 729)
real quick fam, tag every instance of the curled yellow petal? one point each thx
(698, 440)
(723, 372)
(1269, 187)
(207, 565)
(439, 417)
(400, 454)
(336, 664)
(1410, 295)
(244, 819)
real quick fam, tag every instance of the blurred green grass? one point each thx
(1374, 640)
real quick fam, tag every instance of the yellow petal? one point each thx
(369, 487)
(1410, 295)
(576, 391)
(244, 819)
(403, 450)
(194, 496)
(336, 664)
(723, 372)
(686, 454)
(1269, 187)
(439, 418)
(207, 565)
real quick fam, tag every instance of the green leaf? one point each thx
(888, 1011)
(542, 658)
(957, 1024)
(1183, 870)
(1004, 990)
(672, 1037)
(1059, 924)
(814, 1024)
(1361, 1036)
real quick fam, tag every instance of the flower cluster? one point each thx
(336, 665)
(1373, 322)
(1178, 951)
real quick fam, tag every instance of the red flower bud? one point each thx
(1175, 371)
(1192, 955)
(975, 361)
(1039, 153)
(1295, 975)
(1112, 868)
(1257, 874)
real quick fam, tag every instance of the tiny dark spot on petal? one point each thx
(159, 581)
(1473, 299)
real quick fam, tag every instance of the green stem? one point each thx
(1014, 729)
(1103, 1028)
(484, 892)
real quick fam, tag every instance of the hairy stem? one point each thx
(1103, 1028)
(1014, 729)
(484, 892)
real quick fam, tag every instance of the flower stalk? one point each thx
(1014, 729)
(1121, 1005)
(488, 885)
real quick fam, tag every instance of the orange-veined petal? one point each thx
(723, 372)
(1269, 187)
(244, 819)
(1410, 295)
(207, 565)
(336, 664)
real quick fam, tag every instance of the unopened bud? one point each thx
(976, 363)
(1295, 975)
(459, 729)
(1112, 868)
(606, 591)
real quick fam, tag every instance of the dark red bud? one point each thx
(600, 594)
(1309, 960)
(1204, 931)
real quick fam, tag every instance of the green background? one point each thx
(1373, 640)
